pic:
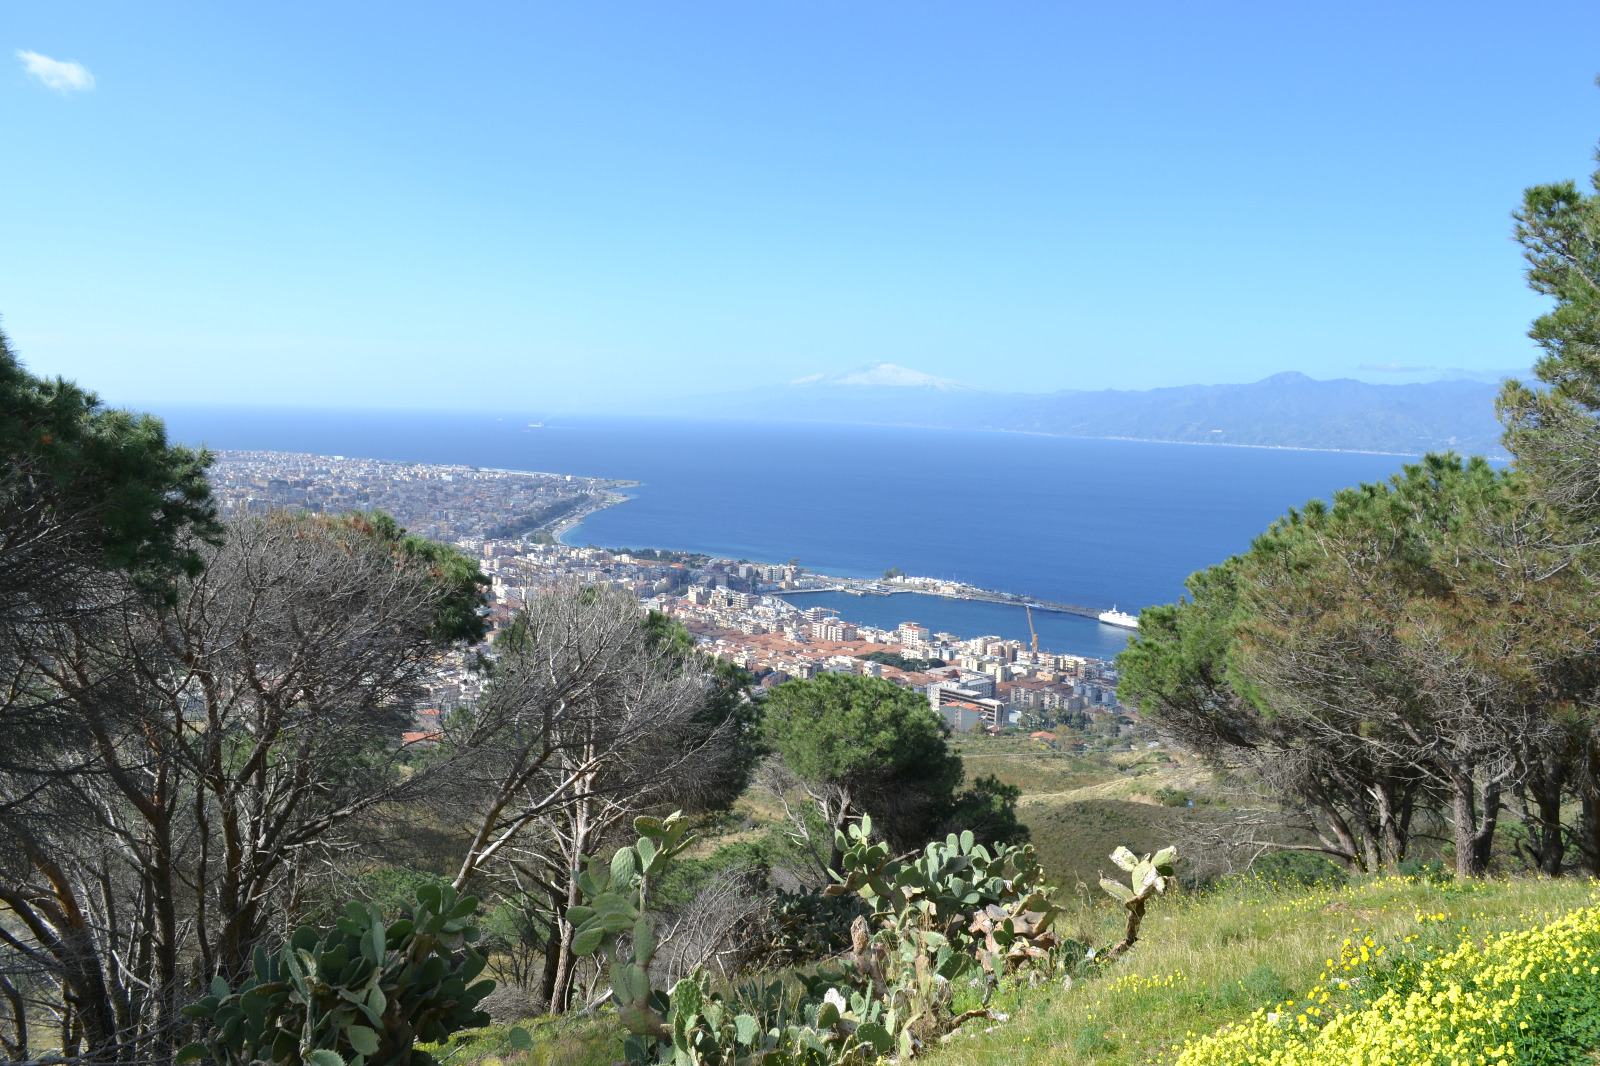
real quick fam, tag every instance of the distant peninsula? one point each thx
(1287, 410)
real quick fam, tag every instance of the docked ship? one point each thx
(1120, 619)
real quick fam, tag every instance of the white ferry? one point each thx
(1120, 619)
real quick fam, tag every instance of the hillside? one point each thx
(1251, 950)
(1212, 960)
(1288, 410)
(1079, 807)
(1238, 953)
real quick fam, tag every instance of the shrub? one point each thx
(956, 909)
(363, 991)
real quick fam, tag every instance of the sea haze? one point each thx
(1093, 522)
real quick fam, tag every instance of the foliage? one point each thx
(1303, 868)
(1405, 650)
(557, 1040)
(690, 1025)
(864, 745)
(1529, 995)
(215, 748)
(80, 483)
(1423, 648)
(958, 908)
(363, 991)
(727, 710)
(859, 732)
(1552, 430)
(988, 808)
(458, 615)
(392, 889)
(812, 924)
(1212, 958)
(594, 714)
(901, 662)
(944, 889)
(615, 917)
(685, 878)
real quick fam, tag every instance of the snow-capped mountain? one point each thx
(883, 375)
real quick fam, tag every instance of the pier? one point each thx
(854, 587)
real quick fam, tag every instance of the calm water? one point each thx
(1078, 521)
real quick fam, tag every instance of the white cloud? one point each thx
(61, 75)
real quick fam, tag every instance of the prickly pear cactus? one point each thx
(1148, 875)
(362, 992)
(953, 907)
(615, 918)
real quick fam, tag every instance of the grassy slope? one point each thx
(1078, 808)
(1203, 961)
(1211, 960)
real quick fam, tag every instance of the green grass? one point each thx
(1073, 838)
(1079, 807)
(1030, 765)
(1209, 960)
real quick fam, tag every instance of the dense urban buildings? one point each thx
(440, 502)
(736, 609)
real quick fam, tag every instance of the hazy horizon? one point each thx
(665, 411)
(590, 212)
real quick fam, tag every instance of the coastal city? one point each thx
(444, 503)
(753, 614)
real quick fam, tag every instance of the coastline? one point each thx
(856, 586)
(567, 523)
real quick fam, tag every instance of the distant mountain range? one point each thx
(1287, 410)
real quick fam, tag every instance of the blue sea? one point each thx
(1096, 522)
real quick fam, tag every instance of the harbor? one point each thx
(929, 586)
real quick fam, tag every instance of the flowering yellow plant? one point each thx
(1526, 996)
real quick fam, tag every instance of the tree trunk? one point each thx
(1473, 832)
(16, 1045)
(561, 987)
(1340, 829)
(552, 956)
(1589, 812)
(840, 819)
(1392, 829)
(1544, 830)
(1371, 854)
(167, 991)
(1488, 818)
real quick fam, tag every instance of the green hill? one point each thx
(1237, 953)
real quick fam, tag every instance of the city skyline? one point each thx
(567, 211)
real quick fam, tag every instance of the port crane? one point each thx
(1032, 631)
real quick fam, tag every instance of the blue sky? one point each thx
(600, 205)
